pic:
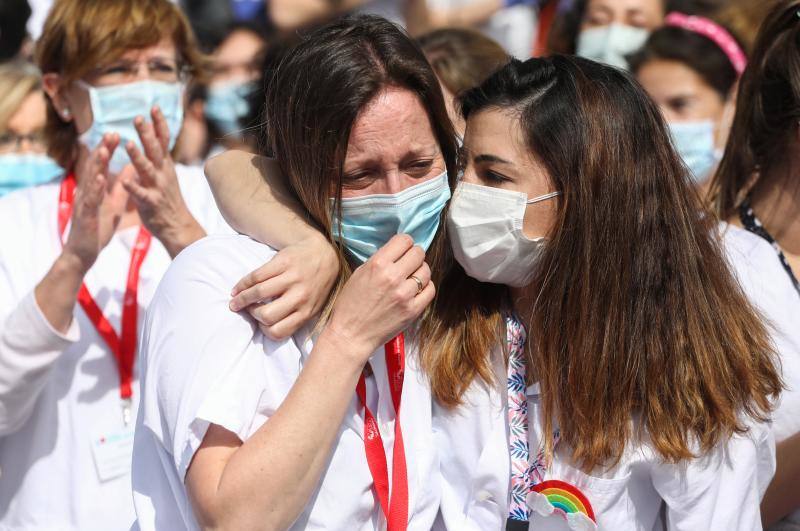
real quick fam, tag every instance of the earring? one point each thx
(65, 113)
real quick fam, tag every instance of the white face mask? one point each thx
(610, 44)
(485, 229)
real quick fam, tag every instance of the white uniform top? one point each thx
(515, 28)
(770, 289)
(58, 392)
(204, 364)
(721, 490)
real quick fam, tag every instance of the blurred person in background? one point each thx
(512, 23)
(757, 188)
(606, 30)
(234, 74)
(290, 15)
(81, 258)
(462, 59)
(23, 154)
(14, 41)
(690, 67)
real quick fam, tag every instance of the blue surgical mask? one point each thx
(227, 104)
(21, 170)
(369, 222)
(114, 108)
(694, 141)
(611, 44)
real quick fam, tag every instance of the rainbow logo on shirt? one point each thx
(565, 498)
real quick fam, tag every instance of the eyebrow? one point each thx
(490, 158)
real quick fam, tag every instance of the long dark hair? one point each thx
(313, 99)
(637, 313)
(767, 111)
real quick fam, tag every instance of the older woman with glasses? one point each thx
(81, 258)
(23, 161)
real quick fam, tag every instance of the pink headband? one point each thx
(711, 30)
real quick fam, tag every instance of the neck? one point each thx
(129, 217)
(777, 204)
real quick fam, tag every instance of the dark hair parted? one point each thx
(637, 315)
(313, 99)
(696, 51)
(767, 111)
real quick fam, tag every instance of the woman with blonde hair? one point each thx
(23, 161)
(81, 258)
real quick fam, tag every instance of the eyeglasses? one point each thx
(12, 142)
(123, 72)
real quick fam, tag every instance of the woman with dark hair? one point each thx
(648, 374)
(757, 188)
(241, 431)
(690, 67)
(606, 30)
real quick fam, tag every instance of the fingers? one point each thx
(285, 327)
(274, 312)
(271, 269)
(423, 274)
(411, 261)
(262, 291)
(394, 249)
(141, 194)
(424, 298)
(150, 142)
(143, 165)
(161, 128)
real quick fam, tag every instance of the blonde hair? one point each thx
(18, 80)
(81, 35)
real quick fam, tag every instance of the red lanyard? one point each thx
(396, 511)
(123, 346)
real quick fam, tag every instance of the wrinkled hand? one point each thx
(298, 280)
(98, 205)
(381, 299)
(154, 186)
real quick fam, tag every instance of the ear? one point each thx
(53, 86)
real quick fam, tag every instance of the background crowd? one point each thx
(689, 56)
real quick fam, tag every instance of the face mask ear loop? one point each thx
(541, 198)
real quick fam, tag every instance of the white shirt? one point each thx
(58, 392)
(768, 287)
(204, 364)
(720, 491)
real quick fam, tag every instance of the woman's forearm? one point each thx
(253, 198)
(270, 478)
(57, 292)
(783, 496)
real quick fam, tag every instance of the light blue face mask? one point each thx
(114, 108)
(369, 222)
(694, 141)
(227, 104)
(18, 170)
(610, 44)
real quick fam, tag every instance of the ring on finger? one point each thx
(420, 285)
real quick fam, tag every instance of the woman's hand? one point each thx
(97, 207)
(381, 298)
(298, 279)
(154, 187)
